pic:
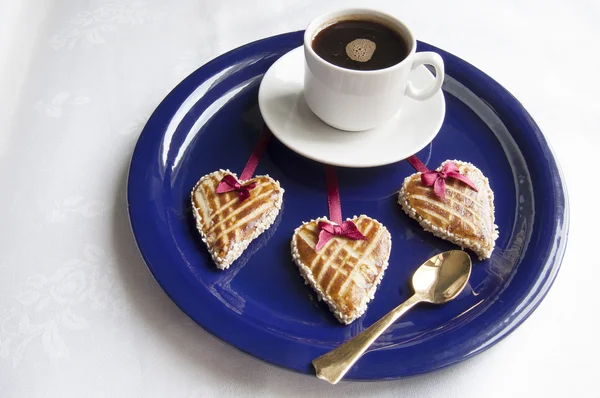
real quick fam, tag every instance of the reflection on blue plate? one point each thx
(261, 305)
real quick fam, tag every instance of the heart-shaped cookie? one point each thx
(345, 273)
(464, 217)
(226, 223)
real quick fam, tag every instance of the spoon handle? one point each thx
(333, 365)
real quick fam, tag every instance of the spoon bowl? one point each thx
(442, 277)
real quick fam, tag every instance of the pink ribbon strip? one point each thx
(257, 153)
(437, 179)
(230, 183)
(328, 230)
(417, 164)
(333, 195)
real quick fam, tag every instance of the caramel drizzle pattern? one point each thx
(350, 246)
(340, 270)
(351, 249)
(213, 222)
(458, 191)
(451, 212)
(220, 209)
(452, 198)
(358, 267)
(244, 206)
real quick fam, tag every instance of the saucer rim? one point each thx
(356, 163)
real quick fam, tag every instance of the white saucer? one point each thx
(286, 113)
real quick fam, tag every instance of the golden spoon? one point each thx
(437, 281)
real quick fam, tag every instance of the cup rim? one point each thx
(340, 13)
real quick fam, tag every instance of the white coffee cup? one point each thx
(356, 100)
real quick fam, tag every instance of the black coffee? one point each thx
(361, 45)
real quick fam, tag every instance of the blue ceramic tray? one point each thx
(261, 305)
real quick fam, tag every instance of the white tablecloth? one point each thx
(80, 315)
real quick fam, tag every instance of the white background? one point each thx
(79, 313)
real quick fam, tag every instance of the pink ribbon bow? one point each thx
(438, 179)
(347, 229)
(230, 183)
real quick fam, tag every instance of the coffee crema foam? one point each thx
(360, 45)
(361, 50)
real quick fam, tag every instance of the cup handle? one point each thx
(434, 60)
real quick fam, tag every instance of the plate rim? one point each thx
(551, 267)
